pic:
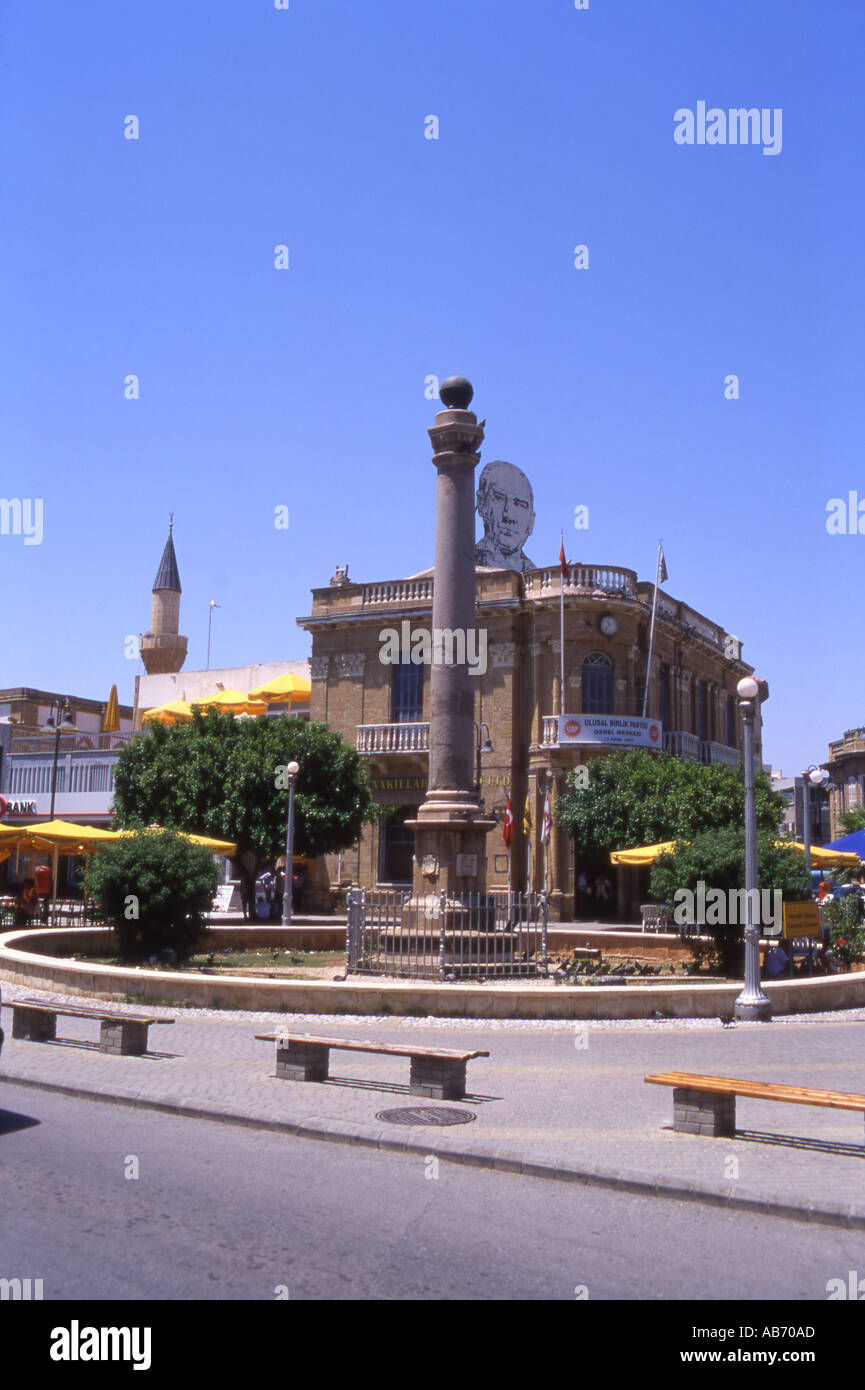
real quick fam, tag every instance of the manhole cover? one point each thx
(427, 1115)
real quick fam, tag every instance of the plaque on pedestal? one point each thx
(467, 866)
(430, 865)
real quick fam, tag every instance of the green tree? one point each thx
(154, 888)
(716, 858)
(851, 821)
(644, 798)
(225, 777)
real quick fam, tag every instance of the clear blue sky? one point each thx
(411, 257)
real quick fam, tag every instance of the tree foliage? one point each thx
(225, 777)
(643, 798)
(851, 821)
(154, 888)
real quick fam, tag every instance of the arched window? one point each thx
(597, 685)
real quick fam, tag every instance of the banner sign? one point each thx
(610, 730)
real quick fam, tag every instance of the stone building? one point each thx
(538, 731)
(846, 767)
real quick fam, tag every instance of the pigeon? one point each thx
(727, 1019)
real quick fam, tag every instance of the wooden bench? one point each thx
(439, 1072)
(707, 1104)
(123, 1034)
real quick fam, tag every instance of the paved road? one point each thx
(224, 1213)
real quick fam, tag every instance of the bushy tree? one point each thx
(851, 821)
(716, 858)
(642, 798)
(225, 777)
(154, 887)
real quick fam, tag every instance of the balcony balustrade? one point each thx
(393, 738)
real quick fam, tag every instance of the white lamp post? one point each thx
(753, 1002)
(292, 769)
(811, 777)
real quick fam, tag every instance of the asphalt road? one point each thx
(217, 1212)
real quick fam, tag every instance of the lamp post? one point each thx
(59, 718)
(481, 748)
(213, 604)
(813, 776)
(292, 769)
(753, 1003)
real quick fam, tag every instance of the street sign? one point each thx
(801, 919)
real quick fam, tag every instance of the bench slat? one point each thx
(354, 1045)
(760, 1090)
(69, 1011)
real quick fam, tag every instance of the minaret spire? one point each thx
(163, 649)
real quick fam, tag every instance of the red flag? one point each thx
(508, 826)
(662, 566)
(563, 564)
(547, 821)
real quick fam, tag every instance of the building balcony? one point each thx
(392, 738)
(711, 752)
(594, 581)
(398, 591)
(683, 745)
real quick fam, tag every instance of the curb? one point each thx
(639, 1184)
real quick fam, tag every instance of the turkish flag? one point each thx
(563, 564)
(508, 826)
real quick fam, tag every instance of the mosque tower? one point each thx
(163, 650)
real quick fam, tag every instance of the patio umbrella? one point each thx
(111, 717)
(231, 702)
(281, 690)
(60, 837)
(647, 854)
(226, 847)
(175, 712)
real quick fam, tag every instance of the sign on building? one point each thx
(801, 919)
(610, 731)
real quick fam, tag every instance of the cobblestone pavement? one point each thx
(560, 1094)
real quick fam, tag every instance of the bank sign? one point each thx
(610, 731)
(16, 808)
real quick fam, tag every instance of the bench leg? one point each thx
(704, 1112)
(34, 1025)
(302, 1062)
(125, 1038)
(438, 1077)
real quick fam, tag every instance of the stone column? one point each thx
(450, 832)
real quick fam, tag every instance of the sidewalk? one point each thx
(553, 1099)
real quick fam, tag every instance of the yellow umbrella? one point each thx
(175, 712)
(231, 702)
(226, 847)
(111, 717)
(285, 689)
(60, 837)
(824, 858)
(646, 854)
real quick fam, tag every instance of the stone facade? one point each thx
(846, 766)
(692, 691)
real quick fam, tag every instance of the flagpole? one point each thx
(652, 628)
(562, 628)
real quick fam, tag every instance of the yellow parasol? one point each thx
(647, 854)
(58, 837)
(175, 712)
(285, 689)
(226, 847)
(111, 717)
(231, 702)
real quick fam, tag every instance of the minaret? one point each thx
(163, 650)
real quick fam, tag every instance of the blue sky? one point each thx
(411, 257)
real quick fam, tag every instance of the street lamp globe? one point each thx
(747, 688)
(293, 769)
(818, 776)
